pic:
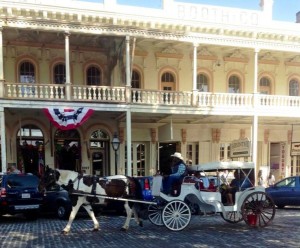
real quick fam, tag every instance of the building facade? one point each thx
(187, 77)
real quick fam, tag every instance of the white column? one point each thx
(67, 62)
(128, 69)
(255, 117)
(1, 56)
(3, 140)
(128, 141)
(195, 67)
(1, 66)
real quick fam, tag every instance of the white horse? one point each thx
(112, 186)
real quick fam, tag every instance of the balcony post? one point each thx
(3, 140)
(67, 61)
(1, 65)
(195, 91)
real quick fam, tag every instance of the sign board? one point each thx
(240, 148)
(295, 148)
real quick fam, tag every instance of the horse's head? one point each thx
(50, 177)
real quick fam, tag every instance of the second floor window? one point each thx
(202, 83)
(27, 72)
(59, 74)
(265, 86)
(135, 80)
(93, 76)
(294, 87)
(234, 84)
(168, 81)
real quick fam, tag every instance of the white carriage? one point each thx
(251, 205)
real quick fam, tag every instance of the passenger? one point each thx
(212, 186)
(271, 179)
(179, 170)
(13, 170)
(240, 182)
(198, 181)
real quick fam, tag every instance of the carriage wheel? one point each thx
(258, 209)
(176, 215)
(232, 217)
(155, 214)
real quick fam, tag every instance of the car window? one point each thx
(288, 182)
(21, 181)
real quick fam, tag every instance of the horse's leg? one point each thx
(75, 209)
(128, 216)
(90, 211)
(136, 215)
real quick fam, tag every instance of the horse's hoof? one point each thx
(123, 229)
(64, 232)
(141, 224)
(95, 230)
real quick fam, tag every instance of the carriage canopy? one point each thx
(215, 166)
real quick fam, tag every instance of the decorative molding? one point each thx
(289, 136)
(293, 62)
(216, 135)
(236, 56)
(121, 134)
(183, 135)
(269, 59)
(266, 136)
(153, 135)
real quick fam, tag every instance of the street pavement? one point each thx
(203, 231)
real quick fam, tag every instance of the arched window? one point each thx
(30, 149)
(234, 84)
(93, 76)
(294, 87)
(202, 83)
(168, 81)
(135, 80)
(265, 86)
(59, 73)
(27, 72)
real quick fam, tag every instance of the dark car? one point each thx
(56, 201)
(20, 194)
(285, 192)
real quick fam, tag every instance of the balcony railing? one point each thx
(111, 94)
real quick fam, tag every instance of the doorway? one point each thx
(164, 154)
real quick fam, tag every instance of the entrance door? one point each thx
(98, 163)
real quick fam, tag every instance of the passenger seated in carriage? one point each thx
(179, 171)
(201, 182)
(240, 182)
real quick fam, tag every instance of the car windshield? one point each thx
(288, 182)
(22, 181)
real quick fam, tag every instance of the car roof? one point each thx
(217, 165)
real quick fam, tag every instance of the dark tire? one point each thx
(258, 209)
(280, 206)
(62, 212)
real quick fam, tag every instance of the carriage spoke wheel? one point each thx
(155, 214)
(258, 209)
(176, 215)
(232, 217)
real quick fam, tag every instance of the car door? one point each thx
(286, 192)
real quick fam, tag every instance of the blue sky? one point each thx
(283, 10)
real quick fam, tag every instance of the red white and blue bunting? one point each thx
(67, 118)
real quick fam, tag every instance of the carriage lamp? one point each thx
(115, 145)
